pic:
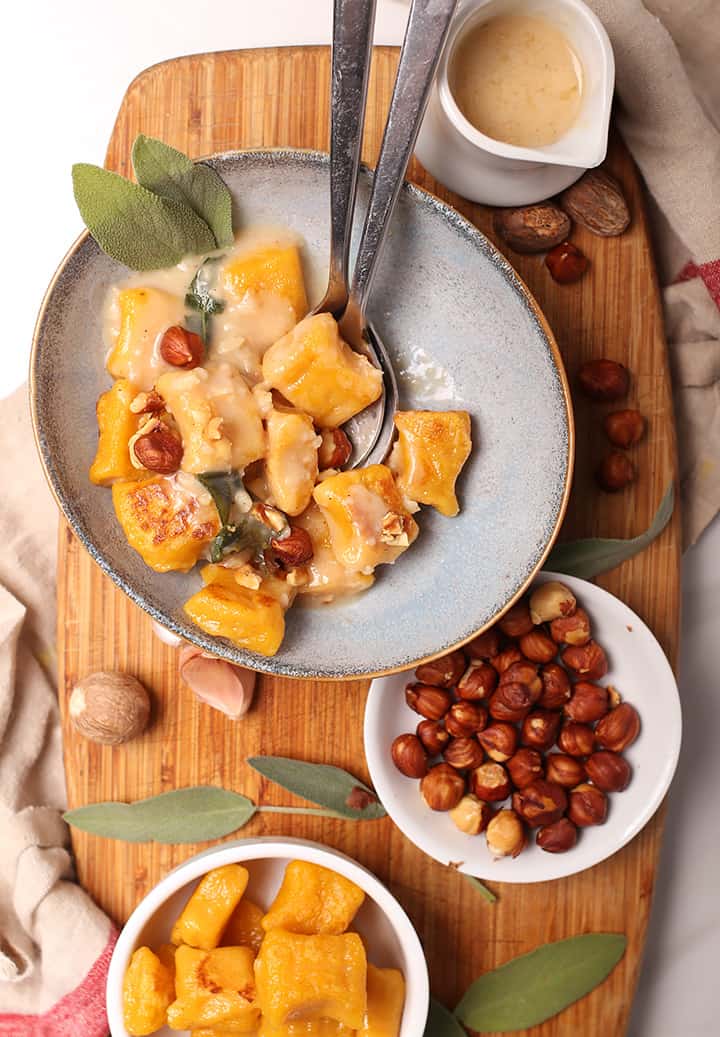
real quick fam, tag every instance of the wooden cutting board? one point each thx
(261, 98)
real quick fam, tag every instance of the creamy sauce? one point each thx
(517, 79)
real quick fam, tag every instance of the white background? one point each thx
(64, 70)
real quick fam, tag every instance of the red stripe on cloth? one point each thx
(81, 1013)
(710, 274)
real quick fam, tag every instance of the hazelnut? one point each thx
(485, 645)
(150, 402)
(540, 803)
(444, 672)
(499, 741)
(537, 646)
(564, 770)
(539, 728)
(615, 472)
(506, 658)
(550, 601)
(510, 702)
(614, 696)
(604, 379)
(624, 428)
(334, 450)
(292, 550)
(576, 739)
(181, 348)
(516, 620)
(478, 682)
(428, 701)
(609, 771)
(524, 672)
(465, 718)
(490, 782)
(525, 767)
(589, 702)
(566, 263)
(471, 816)
(571, 630)
(556, 686)
(505, 834)
(463, 753)
(409, 756)
(158, 450)
(587, 805)
(109, 707)
(558, 837)
(433, 736)
(442, 788)
(587, 661)
(619, 728)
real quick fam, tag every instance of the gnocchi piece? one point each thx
(143, 314)
(236, 406)
(292, 460)
(275, 269)
(320, 374)
(313, 900)
(245, 926)
(251, 619)
(148, 990)
(214, 988)
(210, 907)
(366, 517)
(431, 450)
(328, 579)
(116, 425)
(385, 1001)
(311, 1028)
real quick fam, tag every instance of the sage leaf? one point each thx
(323, 784)
(135, 226)
(529, 989)
(589, 557)
(441, 1022)
(198, 296)
(482, 890)
(169, 173)
(243, 532)
(190, 815)
(222, 487)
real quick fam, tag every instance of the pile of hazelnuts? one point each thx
(493, 711)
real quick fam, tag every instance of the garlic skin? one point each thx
(218, 683)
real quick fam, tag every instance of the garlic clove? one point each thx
(166, 636)
(216, 682)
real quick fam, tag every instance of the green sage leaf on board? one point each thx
(169, 173)
(135, 226)
(441, 1022)
(323, 784)
(588, 558)
(190, 815)
(482, 889)
(529, 989)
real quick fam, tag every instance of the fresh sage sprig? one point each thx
(441, 1022)
(331, 787)
(482, 890)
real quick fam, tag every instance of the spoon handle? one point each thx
(353, 22)
(427, 29)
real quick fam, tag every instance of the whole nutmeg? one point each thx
(506, 658)
(292, 550)
(587, 660)
(182, 348)
(485, 645)
(539, 728)
(537, 646)
(615, 472)
(540, 803)
(609, 771)
(571, 630)
(524, 672)
(550, 601)
(499, 741)
(564, 770)
(433, 736)
(532, 228)
(465, 718)
(505, 834)
(516, 620)
(159, 449)
(596, 201)
(576, 739)
(624, 428)
(589, 703)
(478, 682)
(587, 805)
(109, 707)
(471, 815)
(409, 756)
(510, 702)
(443, 787)
(556, 686)
(463, 753)
(428, 701)
(525, 767)
(604, 379)
(444, 672)
(566, 263)
(558, 837)
(490, 782)
(334, 450)
(619, 728)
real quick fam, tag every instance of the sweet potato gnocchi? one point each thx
(221, 441)
(294, 971)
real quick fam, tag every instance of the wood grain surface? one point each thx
(214, 102)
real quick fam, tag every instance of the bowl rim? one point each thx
(273, 664)
(417, 983)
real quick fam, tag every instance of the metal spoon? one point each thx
(427, 29)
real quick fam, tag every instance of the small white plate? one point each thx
(642, 675)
